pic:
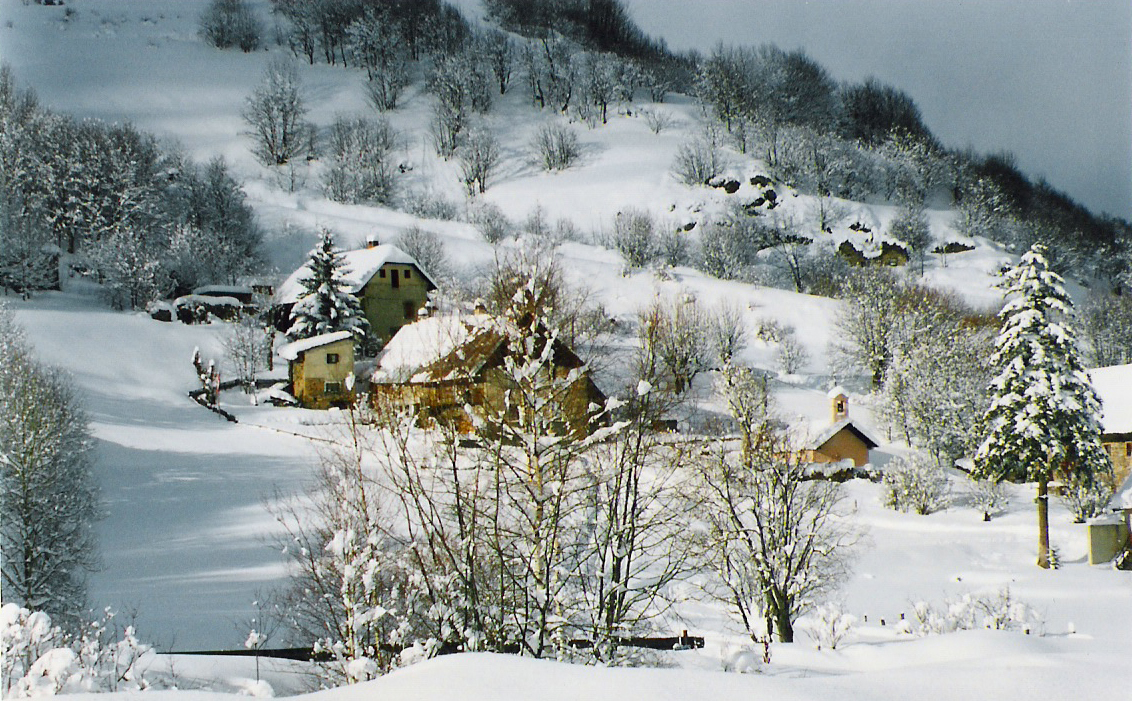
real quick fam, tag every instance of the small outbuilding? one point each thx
(843, 439)
(321, 369)
(1110, 533)
(1113, 385)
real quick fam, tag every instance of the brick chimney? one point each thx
(839, 404)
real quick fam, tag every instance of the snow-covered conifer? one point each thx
(1044, 417)
(325, 306)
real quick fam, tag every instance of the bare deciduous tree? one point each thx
(48, 496)
(556, 146)
(275, 113)
(777, 541)
(478, 158)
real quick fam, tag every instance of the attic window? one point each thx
(381, 273)
(332, 358)
(408, 274)
(1128, 450)
(840, 407)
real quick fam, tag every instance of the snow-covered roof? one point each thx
(837, 392)
(1114, 387)
(357, 268)
(832, 430)
(292, 350)
(426, 341)
(223, 290)
(1122, 497)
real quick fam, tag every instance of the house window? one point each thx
(381, 273)
(332, 358)
(1128, 450)
(410, 310)
(332, 388)
(396, 279)
(841, 407)
(408, 274)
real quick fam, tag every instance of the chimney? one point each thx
(372, 241)
(839, 403)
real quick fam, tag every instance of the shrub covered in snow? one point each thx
(988, 496)
(829, 624)
(914, 483)
(998, 611)
(1086, 499)
(39, 660)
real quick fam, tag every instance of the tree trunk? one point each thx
(1043, 524)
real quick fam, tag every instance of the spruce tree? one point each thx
(324, 306)
(1044, 418)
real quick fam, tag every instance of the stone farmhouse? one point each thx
(442, 366)
(391, 286)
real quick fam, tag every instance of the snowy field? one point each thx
(187, 542)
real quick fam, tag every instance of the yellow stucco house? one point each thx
(321, 369)
(390, 285)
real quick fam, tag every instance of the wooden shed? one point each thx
(321, 369)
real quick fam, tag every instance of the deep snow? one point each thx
(187, 540)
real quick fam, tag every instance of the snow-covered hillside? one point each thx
(188, 538)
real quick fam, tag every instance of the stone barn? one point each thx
(443, 366)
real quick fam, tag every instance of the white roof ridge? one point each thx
(292, 350)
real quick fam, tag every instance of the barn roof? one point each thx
(845, 424)
(426, 341)
(1112, 385)
(450, 347)
(292, 350)
(358, 267)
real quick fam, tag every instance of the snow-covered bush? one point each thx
(792, 355)
(998, 611)
(988, 496)
(228, 23)
(829, 625)
(700, 159)
(427, 204)
(914, 483)
(39, 660)
(658, 120)
(24, 637)
(556, 147)
(491, 222)
(1084, 499)
(634, 236)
